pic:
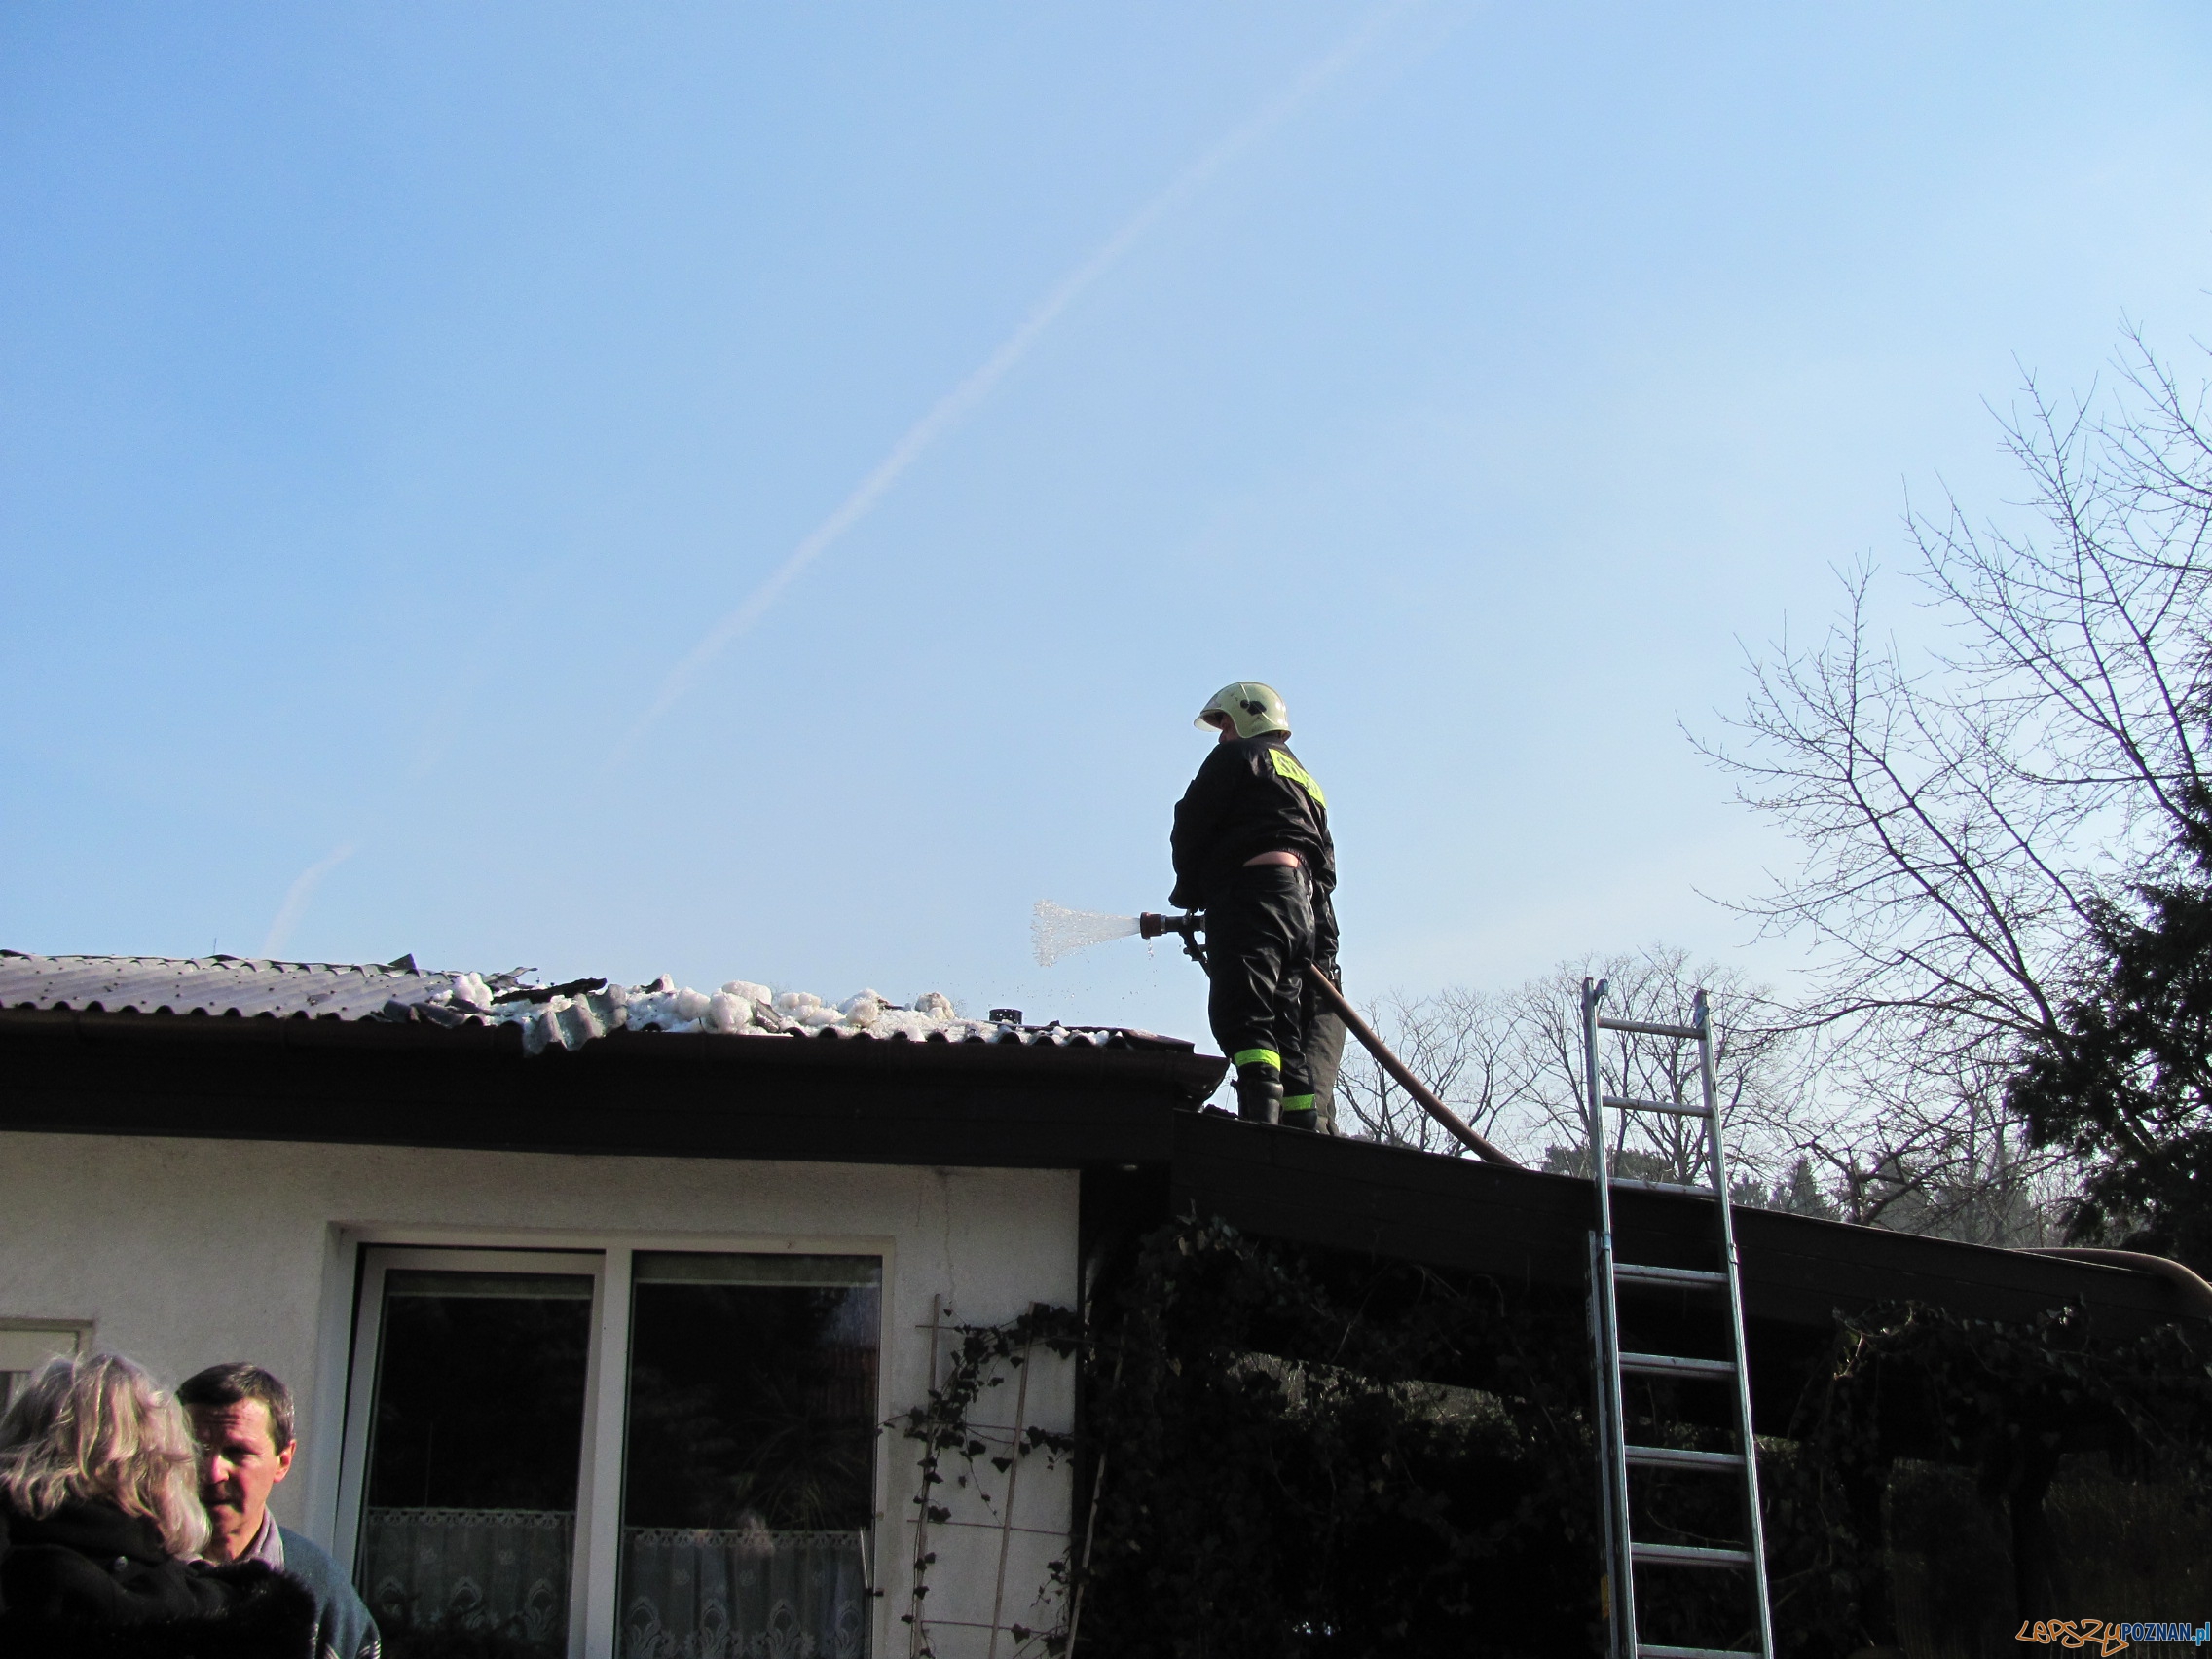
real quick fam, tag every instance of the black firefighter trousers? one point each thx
(1259, 940)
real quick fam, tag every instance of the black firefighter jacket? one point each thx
(1251, 796)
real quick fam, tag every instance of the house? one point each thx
(598, 1299)
(590, 1339)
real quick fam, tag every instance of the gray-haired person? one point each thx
(241, 1416)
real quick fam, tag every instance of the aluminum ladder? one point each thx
(1624, 1554)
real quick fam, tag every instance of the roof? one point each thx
(547, 1015)
(1120, 1112)
(1525, 1229)
(226, 1049)
(215, 984)
(1531, 1227)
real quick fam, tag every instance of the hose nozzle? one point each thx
(1190, 924)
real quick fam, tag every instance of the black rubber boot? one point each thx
(1259, 1094)
(1302, 1117)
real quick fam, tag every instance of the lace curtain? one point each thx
(737, 1592)
(476, 1569)
(743, 1592)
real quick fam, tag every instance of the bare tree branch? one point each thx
(1962, 812)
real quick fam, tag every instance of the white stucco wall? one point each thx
(185, 1252)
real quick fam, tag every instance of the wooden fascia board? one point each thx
(818, 1100)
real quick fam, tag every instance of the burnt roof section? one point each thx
(564, 1015)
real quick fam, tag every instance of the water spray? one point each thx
(1055, 931)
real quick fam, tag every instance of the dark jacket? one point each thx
(344, 1629)
(1251, 796)
(91, 1581)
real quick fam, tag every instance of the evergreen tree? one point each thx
(2125, 1079)
(1801, 1194)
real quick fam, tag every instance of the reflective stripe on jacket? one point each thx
(1251, 795)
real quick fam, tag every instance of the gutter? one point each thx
(2195, 1294)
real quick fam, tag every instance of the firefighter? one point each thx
(1252, 851)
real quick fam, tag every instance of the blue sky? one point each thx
(395, 397)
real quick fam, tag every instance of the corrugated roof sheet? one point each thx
(246, 986)
(567, 1015)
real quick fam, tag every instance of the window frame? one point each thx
(349, 1374)
(378, 1260)
(81, 1343)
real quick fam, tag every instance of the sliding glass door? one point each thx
(486, 1508)
(472, 1447)
(748, 1484)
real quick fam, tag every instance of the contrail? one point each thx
(963, 398)
(295, 903)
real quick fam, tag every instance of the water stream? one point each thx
(1055, 931)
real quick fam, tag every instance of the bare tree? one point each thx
(1512, 1064)
(1462, 1044)
(1963, 811)
(1757, 1066)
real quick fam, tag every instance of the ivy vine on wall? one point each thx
(1316, 1454)
(2003, 1400)
(982, 1359)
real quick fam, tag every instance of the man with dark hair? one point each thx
(241, 1416)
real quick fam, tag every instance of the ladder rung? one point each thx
(1669, 1457)
(1676, 1365)
(1679, 1109)
(1650, 1030)
(1690, 1555)
(1650, 1651)
(1681, 1187)
(1636, 1272)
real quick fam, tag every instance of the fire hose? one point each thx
(1190, 924)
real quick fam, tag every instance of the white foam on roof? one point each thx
(252, 988)
(739, 1008)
